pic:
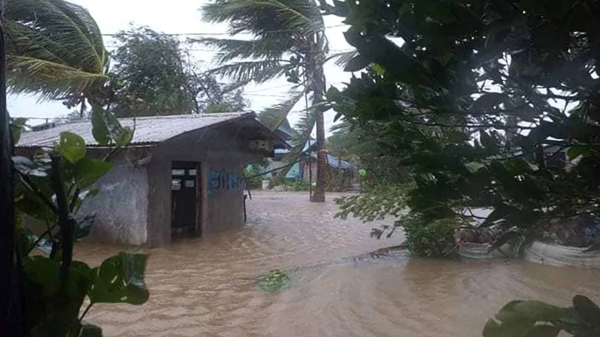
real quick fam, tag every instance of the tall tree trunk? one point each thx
(317, 87)
(10, 292)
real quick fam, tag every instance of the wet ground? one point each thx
(207, 287)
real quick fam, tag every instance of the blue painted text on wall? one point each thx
(220, 179)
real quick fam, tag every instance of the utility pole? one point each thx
(317, 86)
(10, 295)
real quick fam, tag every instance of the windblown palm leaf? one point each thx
(279, 27)
(288, 38)
(259, 71)
(274, 116)
(343, 58)
(54, 48)
(264, 17)
(267, 48)
(304, 127)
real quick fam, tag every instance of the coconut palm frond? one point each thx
(342, 59)
(50, 80)
(342, 127)
(304, 128)
(259, 71)
(54, 48)
(274, 116)
(230, 49)
(266, 16)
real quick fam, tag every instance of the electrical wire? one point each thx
(117, 45)
(212, 34)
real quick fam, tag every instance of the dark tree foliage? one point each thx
(156, 75)
(488, 103)
(360, 145)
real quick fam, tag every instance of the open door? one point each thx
(185, 200)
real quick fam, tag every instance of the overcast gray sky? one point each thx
(181, 17)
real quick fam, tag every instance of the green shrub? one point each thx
(429, 239)
(278, 179)
(300, 185)
(253, 177)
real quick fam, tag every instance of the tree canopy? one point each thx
(479, 99)
(157, 75)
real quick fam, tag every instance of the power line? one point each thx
(210, 34)
(223, 52)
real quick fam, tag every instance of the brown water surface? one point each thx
(208, 287)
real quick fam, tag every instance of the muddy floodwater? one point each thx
(207, 287)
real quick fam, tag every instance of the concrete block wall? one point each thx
(120, 206)
(224, 192)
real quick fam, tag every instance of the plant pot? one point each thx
(265, 184)
(557, 255)
(481, 251)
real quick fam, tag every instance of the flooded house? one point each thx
(180, 175)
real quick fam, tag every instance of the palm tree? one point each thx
(288, 39)
(54, 49)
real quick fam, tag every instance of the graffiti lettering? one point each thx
(224, 180)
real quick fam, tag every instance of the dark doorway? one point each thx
(185, 205)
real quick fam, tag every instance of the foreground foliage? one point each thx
(50, 189)
(538, 319)
(375, 203)
(487, 104)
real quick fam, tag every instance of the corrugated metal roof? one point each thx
(147, 129)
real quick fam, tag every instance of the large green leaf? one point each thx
(87, 171)
(107, 129)
(531, 310)
(44, 272)
(90, 330)
(71, 147)
(17, 125)
(543, 331)
(99, 126)
(587, 309)
(120, 279)
(56, 304)
(517, 328)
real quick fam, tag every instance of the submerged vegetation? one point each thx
(275, 281)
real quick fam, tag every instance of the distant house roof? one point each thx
(286, 128)
(148, 130)
(294, 172)
(335, 162)
(310, 145)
